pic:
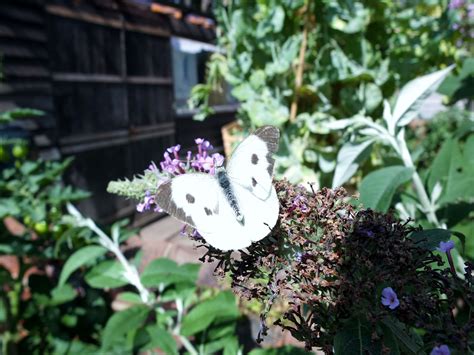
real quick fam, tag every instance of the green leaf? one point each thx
(62, 294)
(278, 18)
(408, 340)
(348, 160)
(81, 257)
(414, 93)
(454, 171)
(122, 323)
(107, 274)
(373, 97)
(377, 188)
(8, 207)
(285, 350)
(200, 317)
(19, 113)
(166, 272)
(130, 297)
(161, 339)
(430, 238)
(353, 339)
(231, 347)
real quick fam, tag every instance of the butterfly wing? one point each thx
(191, 198)
(251, 164)
(197, 200)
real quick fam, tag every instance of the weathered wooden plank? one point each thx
(150, 105)
(79, 15)
(110, 79)
(81, 47)
(156, 62)
(21, 13)
(87, 78)
(84, 108)
(25, 87)
(16, 50)
(25, 71)
(148, 80)
(94, 144)
(21, 32)
(63, 11)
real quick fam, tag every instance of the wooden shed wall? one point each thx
(102, 71)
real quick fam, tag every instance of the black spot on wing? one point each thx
(165, 201)
(254, 182)
(208, 211)
(254, 159)
(190, 198)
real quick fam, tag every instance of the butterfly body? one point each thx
(225, 185)
(236, 206)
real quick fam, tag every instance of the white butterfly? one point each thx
(236, 206)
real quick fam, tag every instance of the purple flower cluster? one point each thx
(204, 162)
(173, 165)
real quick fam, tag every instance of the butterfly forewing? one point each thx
(251, 164)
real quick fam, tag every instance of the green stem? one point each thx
(423, 198)
(187, 344)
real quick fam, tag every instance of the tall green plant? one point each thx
(304, 65)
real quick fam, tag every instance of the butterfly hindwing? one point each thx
(251, 164)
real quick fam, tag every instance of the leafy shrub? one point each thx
(305, 65)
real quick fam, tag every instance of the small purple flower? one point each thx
(455, 4)
(389, 298)
(152, 167)
(445, 246)
(174, 149)
(299, 202)
(207, 145)
(218, 159)
(470, 11)
(440, 350)
(147, 202)
(199, 140)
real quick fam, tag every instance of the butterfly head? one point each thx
(220, 169)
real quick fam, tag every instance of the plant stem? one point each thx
(131, 273)
(423, 198)
(189, 347)
(300, 69)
